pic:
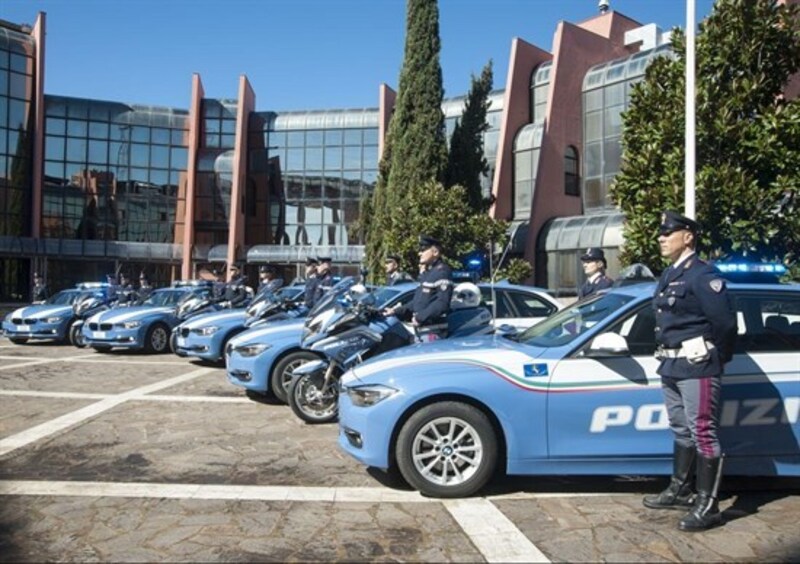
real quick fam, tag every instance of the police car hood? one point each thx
(264, 333)
(216, 317)
(41, 311)
(134, 313)
(475, 351)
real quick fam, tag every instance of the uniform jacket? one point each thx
(431, 300)
(270, 286)
(323, 284)
(235, 291)
(310, 292)
(692, 301)
(39, 293)
(600, 283)
(398, 277)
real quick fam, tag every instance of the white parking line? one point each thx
(153, 397)
(498, 539)
(32, 362)
(92, 358)
(73, 418)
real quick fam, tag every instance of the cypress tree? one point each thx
(467, 163)
(415, 150)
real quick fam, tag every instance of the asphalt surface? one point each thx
(130, 457)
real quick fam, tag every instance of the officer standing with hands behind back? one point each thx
(696, 332)
(39, 291)
(594, 266)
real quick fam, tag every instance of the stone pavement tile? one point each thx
(619, 529)
(214, 384)
(96, 377)
(187, 443)
(18, 413)
(37, 350)
(36, 528)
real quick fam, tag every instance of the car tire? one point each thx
(173, 343)
(18, 340)
(280, 377)
(157, 339)
(433, 463)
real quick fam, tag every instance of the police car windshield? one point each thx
(166, 298)
(568, 324)
(385, 295)
(339, 289)
(64, 297)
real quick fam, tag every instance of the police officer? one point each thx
(39, 291)
(324, 278)
(695, 331)
(393, 273)
(145, 288)
(310, 292)
(267, 281)
(236, 288)
(125, 292)
(431, 300)
(594, 267)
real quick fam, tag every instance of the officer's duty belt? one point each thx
(662, 352)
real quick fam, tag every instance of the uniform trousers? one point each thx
(693, 409)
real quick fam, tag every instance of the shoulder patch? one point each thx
(717, 284)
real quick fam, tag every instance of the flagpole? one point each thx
(689, 142)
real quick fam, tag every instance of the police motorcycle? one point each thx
(103, 297)
(273, 306)
(355, 330)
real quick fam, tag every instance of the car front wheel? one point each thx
(281, 377)
(447, 449)
(157, 339)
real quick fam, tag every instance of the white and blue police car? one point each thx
(577, 393)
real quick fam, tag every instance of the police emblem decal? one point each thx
(717, 285)
(535, 370)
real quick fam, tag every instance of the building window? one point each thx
(572, 179)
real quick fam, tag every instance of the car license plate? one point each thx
(24, 328)
(99, 334)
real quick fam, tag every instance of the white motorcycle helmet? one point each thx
(465, 294)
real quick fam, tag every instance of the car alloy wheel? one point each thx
(447, 449)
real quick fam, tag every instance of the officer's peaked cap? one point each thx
(265, 268)
(594, 253)
(311, 260)
(672, 221)
(395, 258)
(426, 242)
(324, 259)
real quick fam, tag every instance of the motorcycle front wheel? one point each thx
(76, 337)
(309, 402)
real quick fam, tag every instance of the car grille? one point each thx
(101, 326)
(20, 321)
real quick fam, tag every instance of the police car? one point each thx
(261, 360)
(50, 320)
(577, 393)
(146, 326)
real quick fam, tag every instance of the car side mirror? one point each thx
(607, 344)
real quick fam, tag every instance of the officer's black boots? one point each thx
(705, 513)
(678, 494)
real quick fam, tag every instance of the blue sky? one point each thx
(297, 54)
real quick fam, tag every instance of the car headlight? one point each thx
(53, 319)
(131, 324)
(251, 350)
(206, 330)
(369, 395)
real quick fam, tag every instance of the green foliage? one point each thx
(443, 213)
(516, 271)
(467, 163)
(415, 152)
(747, 139)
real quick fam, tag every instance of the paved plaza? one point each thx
(130, 457)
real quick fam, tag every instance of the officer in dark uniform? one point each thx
(310, 292)
(125, 292)
(267, 281)
(431, 300)
(696, 332)
(39, 291)
(236, 288)
(594, 266)
(145, 288)
(393, 273)
(324, 278)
